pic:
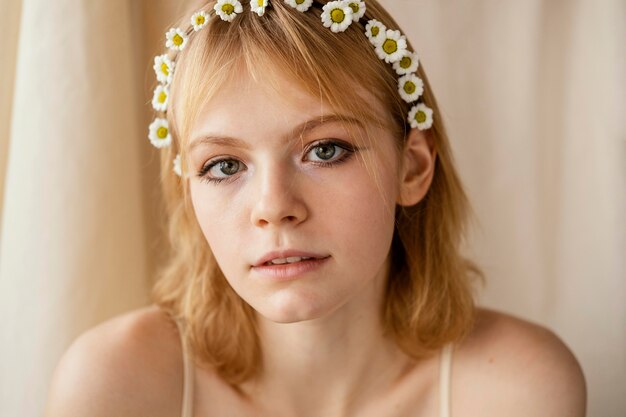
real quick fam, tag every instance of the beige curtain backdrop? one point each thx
(533, 94)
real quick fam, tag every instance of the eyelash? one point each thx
(349, 150)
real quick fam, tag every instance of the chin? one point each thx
(293, 309)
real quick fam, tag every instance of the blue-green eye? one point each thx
(324, 150)
(227, 166)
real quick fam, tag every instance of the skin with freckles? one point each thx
(277, 195)
(321, 333)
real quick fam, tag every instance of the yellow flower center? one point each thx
(375, 31)
(409, 87)
(162, 97)
(162, 132)
(337, 15)
(390, 46)
(228, 8)
(165, 69)
(299, 1)
(178, 40)
(260, 3)
(200, 20)
(354, 7)
(420, 116)
(406, 62)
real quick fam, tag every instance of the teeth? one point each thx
(290, 260)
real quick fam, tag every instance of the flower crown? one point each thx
(390, 45)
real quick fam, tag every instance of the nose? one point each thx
(277, 198)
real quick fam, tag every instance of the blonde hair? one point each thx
(428, 300)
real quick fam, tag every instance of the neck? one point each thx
(329, 366)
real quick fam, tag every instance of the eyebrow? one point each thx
(294, 134)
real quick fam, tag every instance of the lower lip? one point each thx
(287, 272)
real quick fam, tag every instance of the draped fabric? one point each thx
(533, 97)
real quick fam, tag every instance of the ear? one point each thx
(418, 167)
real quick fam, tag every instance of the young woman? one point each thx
(315, 220)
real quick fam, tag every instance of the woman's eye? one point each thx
(220, 170)
(227, 167)
(325, 153)
(330, 153)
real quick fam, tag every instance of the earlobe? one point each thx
(418, 168)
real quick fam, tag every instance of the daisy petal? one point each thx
(358, 9)
(407, 64)
(199, 20)
(176, 166)
(159, 133)
(176, 39)
(337, 15)
(228, 9)
(160, 98)
(300, 5)
(410, 87)
(393, 47)
(421, 116)
(164, 68)
(258, 6)
(375, 32)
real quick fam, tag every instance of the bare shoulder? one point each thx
(121, 367)
(509, 366)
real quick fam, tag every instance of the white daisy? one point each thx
(337, 15)
(358, 9)
(300, 5)
(421, 116)
(161, 97)
(407, 64)
(176, 39)
(410, 87)
(159, 133)
(258, 6)
(375, 32)
(199, 20)
(177, 166)
(228, 9)
(392, 48)
(164, 68)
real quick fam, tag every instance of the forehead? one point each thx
(247, 114)
(243, 99)
(248, 106)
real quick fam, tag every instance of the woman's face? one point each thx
(271, 192)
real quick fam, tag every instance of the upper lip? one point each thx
(286, 254)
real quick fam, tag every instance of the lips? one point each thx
(290, 271)
(287, 254)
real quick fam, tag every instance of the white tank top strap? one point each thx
(445, 373)
(188, 377)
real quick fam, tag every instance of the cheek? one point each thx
(214, 220)
(374, 216)
(202, 210)
(363, 221)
